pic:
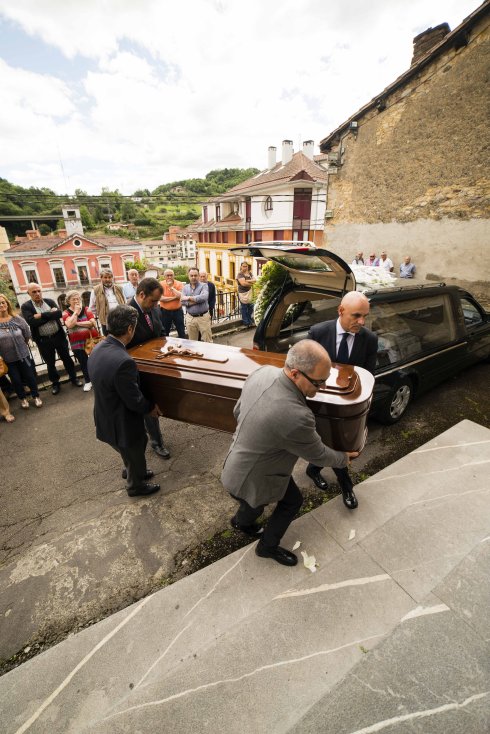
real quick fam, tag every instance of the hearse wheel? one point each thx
(399, 402)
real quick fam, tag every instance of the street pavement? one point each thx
(390, 634)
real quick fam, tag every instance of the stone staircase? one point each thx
(391, 633)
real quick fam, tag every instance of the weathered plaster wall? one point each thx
(416, 179)
(436, 247)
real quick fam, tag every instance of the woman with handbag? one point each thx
(14, 335)
(245, 281)
(81, 325)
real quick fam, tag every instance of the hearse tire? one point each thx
(400, 399)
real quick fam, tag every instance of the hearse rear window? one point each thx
(305, 264)
(408, 328)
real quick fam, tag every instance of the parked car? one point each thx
(427, 333)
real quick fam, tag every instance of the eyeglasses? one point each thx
(315, 383)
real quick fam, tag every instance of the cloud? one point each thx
(173, 90)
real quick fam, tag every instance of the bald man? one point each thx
(275, 427)
(347, 341)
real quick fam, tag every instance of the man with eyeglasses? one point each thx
(347, 341)
(44, 319)
(275, 427)
(149, 326)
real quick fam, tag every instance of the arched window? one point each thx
(268, 204)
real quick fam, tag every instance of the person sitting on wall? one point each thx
(358, 260)
(407, 268)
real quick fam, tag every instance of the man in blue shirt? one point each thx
(195, 299)
(129, 288)
(407, 268)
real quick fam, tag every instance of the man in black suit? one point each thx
(43, 317)
(149, 326)
(347, 341)
(119, 404)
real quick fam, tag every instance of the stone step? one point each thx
(246, 645)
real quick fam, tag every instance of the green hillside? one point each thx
(152, 212)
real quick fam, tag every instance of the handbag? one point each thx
(4, 368)
(246, 296)
(91, 342)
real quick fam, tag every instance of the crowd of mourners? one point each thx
(185, 307)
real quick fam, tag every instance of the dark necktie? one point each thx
(149, 321)
(343, 353)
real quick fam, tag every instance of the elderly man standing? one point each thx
(129, 288)
(195, 299)
(104, 297)
(149, 326)
(275, 427)
(43, 317)
(347, 341)
(119, 404)
(172, 313)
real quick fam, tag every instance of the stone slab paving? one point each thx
(248, 646)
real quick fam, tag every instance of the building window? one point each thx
(278, 234)
(232, 269)
(31, 276)
(77, 243)
(268, 204)
(105, 265)
(248, 209)
(224, 238)
(208, 264)
(218, 237)
(83, 275)
(218, 212)
(258, 235)
(239, 237)
(71, 213)
(235, 207)
(204, 214)
(201, 239)
(219, 268)
(59, 277)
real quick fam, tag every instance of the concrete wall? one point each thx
(416, 178)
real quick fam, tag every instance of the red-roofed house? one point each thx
(286, 201)
(64, 262)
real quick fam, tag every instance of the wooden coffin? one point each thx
(204, 390)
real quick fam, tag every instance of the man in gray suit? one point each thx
(275, 427)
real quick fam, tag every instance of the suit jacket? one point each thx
(28, 312)
(143, 333)
(275, 426)
(364, 349)
(119, 404)
(211, 296)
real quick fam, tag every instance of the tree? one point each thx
(86, 217)
(44, 229)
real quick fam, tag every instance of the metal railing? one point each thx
(226, 309)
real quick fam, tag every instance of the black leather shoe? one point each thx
(161, 451)
(350, 499)
(281, 555)
(317, 478)
(56, 388)
(144, 489)
(149, 474)
(255, 531)
(77, 382)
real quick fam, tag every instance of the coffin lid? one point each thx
(307, 265)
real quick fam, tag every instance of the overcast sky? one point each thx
(135, 93)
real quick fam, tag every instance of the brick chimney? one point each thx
(33, 234)
(427, 39)
(271, 162)
(308, 148)
(287, 151)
